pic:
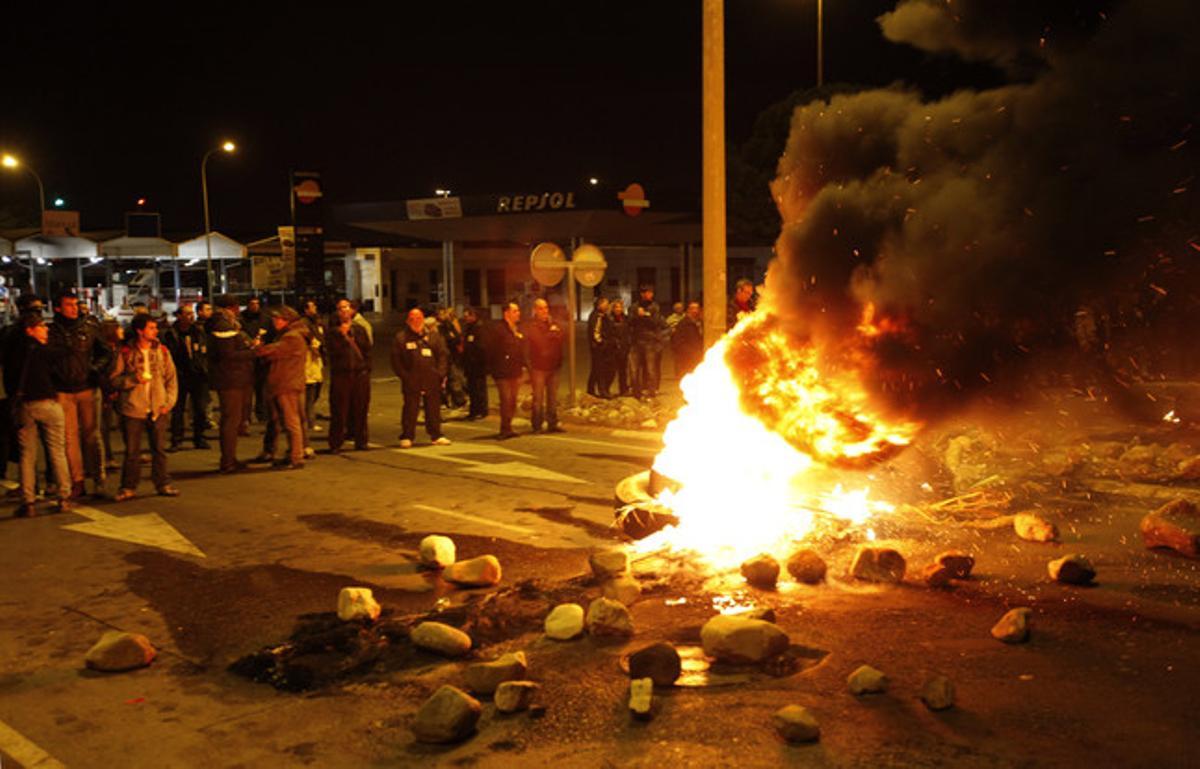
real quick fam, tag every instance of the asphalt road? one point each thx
(1110, 677)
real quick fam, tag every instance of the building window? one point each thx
(495, 286)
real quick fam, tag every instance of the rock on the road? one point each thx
(1034, 528)
(441, 639)
(625, 590)
(483, 571)
(449, 715)
(867, 680)
(565, 622)
(117, 651)
(958, 563)
(1072, 569)
(878, 564)
(938, 693)
(606, 617)
(659, 662)
(357, 603)
(512, 696)
(937, 575)
(437, 551)
(1175, 525)
(761, 571)
(807, 566)
(641, 697)
(485, 677)
(740, 640)
(795, 723)
(607, 564)
(1013, 627)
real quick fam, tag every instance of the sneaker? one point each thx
(203, 444)
(405, 443)
(78, 490)
(315, 428)
(168, 491)
(26, 510)
(123, 494)
(309, 452)
(235, 468)
(442, 440)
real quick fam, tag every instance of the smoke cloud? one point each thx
(978, 224)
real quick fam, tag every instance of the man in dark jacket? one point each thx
(687, 343)
(742, 304)
(188, 345)
(285, 386)
(231, 374)
(545, 359)
(32, 366)
(257, 328)
(81, 358)
(420, 359)
(621, 337)
(599, 330)
(349, 350)
(649, 330)
(475, 363)
(507, 356)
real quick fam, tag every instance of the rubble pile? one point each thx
(623, 412)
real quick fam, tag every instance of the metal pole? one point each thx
(820, 45)
(713, 123)
(575, 243)
(207, 224)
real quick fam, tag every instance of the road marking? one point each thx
(586, 442)
(25, 752)
(9, 484)
(460, 453)
(640, 435)
(475, 519)
(146, 529)
(522, 470)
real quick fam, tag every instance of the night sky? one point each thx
(391, 102)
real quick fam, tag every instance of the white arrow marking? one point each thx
(522, 470)
(21, 749)
(459, 453)
(474, 519)
(147, 529)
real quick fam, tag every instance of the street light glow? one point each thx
(593, 181)
(10, 162)
(229, 146)
(442, 193)
(59, 202)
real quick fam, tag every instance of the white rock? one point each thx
(796, 724)
(357, 603)
(483, 571)
(609, 563)
(441, 639)
(878, 564)
(606, 617)
(737, 639)
(437, 551)
(117, 651)
(938, 693)
(1013, 627)
(485, 677)
(641, 697)
(626, 590)
(1034, 528)
(565, 622)
(867, 680)
(448, 716)
(512, 696)
(1072, 569)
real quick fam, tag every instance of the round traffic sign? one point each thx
(589, 265)
(547, 262)
(308, 191)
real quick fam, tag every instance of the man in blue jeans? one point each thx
(38, 412)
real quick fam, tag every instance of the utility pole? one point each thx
(713, 125)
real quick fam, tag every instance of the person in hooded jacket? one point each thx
(284, 387)
(231, 373)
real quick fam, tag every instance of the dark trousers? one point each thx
(508, 401)
(349, 400)
(413, 399)
(234, 403)
(262, 407)
(646, 369)
(600, 377)
(477, 391)
(286, 417)
(195, 393)
(545, 398)
(312, 393)
(156, 430)
(618, 368)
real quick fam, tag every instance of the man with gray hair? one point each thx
(545, 359)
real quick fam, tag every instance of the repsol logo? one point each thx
(555, 201)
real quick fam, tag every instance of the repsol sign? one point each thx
(547, 201)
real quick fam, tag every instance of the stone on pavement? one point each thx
(938, 693)
(739, 640)
(485, 677)
(626, 590)
(606, 617)
(641, 697)
(937, 575)
(609, 563)
(117, 651)
(448, 716)
(1013, 627)
(512, 696)
(357, 603)
(1073, 569)
(659, 662)
(761, 571)
(867, 680)
(565, 622)
(957, 562)
(1034, 528)
(483, 571)
(1175, 525)
(437, 551)
(441, 639)
(806, 566)
(795, 723)
(878, 564)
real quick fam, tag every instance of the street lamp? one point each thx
(820, 46)
(227, 146)
(8, 161)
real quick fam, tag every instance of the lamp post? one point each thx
(8, 161)
(713, 168)
(820, 45)
(225, 147)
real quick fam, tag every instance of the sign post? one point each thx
(548, 265)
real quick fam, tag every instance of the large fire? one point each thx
(751, 451)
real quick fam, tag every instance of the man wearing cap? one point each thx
(231, 374)
(189, 350)
(648, 329)
(421, 360)
(284, 386)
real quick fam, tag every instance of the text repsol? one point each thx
(552, 200)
